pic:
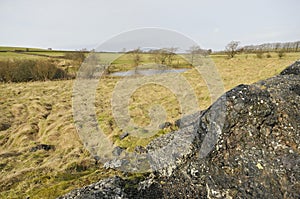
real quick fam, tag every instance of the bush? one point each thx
(4, 71)
(259, 54)
(30, 70)
(269, 55)
(75, 56)
(16, 71)
(281, 54)
(23, 71)
(44, 70)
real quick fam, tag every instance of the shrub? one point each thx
(23, 70)
(269, 55)
(281, 54)
(44, 70)
(5, 74)
(75, 56)
(16, 71)
(259, 54)
(30, 70)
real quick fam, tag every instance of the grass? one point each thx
(9, 48)
(14, 55)
(48, 53)
(28, 53)
(247, 68)
(230, 70)
(26, 173)
(41, 113)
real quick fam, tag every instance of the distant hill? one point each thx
(10, 48)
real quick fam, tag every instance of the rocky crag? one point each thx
(250, 149)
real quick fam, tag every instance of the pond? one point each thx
(147, 72)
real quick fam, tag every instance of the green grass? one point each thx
(48, 53)
(28, 53)
(13, 55)
(9, 48)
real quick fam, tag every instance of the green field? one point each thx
(29, 53)
(41, 113)
(9, 48)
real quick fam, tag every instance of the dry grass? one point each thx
(41, 113)
(247, 68)
(243, 69)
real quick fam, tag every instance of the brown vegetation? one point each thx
(30, 70)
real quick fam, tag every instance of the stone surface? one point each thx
(117, 151)
(292, 69)
(107, 188)
(188, 120)
(140, 149)
(45, 147)
(246, 145)
(123, 135)
(165, 125)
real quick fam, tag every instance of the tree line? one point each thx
(269, 47)
(233, 48)
(164, 56)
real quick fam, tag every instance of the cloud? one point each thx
(68, 24)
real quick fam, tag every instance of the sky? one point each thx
(211, 24)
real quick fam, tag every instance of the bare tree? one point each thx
(297, 45)
(164, 55)
(231, 49)
(273, 47)
(194, 51)
(136, 56)
(171, 54)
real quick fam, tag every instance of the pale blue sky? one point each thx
(212, 24)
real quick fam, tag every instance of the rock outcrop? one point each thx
(248, 149)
